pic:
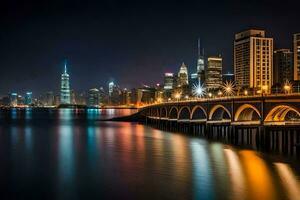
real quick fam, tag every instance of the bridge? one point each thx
(251, 110)
(272, 121)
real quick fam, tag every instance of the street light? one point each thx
(177, 96)
(245, 92)
(287, 87)
(210, 95)
(264, 89)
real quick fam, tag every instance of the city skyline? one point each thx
(113, 46)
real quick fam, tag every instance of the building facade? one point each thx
(253, 60)
(283, 68)
(65, 88)
(213, 77)
(296, 42)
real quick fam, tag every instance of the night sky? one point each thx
(130, 42)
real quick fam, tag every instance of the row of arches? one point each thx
(245, 112)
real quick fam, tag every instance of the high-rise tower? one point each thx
(65, 87)
(200, 64)
(296, 42)
(183, 77)
(253, 60)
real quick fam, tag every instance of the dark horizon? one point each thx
(132, 43)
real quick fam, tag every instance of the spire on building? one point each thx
(65, 66)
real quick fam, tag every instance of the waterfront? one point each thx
(67, 154)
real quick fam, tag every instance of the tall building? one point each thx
(183, 77)
(28, 98)
(13, 99)
(50, 98)
(111, 86)
(283, 68)
(213, 77)
(253, 60)
(296, 56)
(65, 88)
(200, 64)
(93, 97)
(169, 81)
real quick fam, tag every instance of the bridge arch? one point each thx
(247, 112)
(163, 112)
(154, 112)
(198, 112)
(184, 113)
(279, 113)
(219, 112)
(173, 114)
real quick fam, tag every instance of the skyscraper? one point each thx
(13, 99)
(65, 87)
(183, 77)
(93, 97)
(28, 98)
(169, 81)
(253, 60)
(283, 66)
(200, 64)
(213, 78)
(297, 56)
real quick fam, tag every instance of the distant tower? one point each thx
(65, 87)
(200, 64)
(183, 78)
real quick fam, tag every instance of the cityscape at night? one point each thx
(150, 100)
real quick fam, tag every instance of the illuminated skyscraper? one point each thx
(28, 98)
(13, 99)
(297, 56)
(253, 60)
(169, 81)
(65, 87)
(111, 86)
(213, 79)
(93, 97)
(183, 77)
(200, 64)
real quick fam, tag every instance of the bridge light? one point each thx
(210, 94)
(245, 92)
(198, 90)
(186, 97)
(177, 96)
(220, 93)
(287, 87)
(265, 88)
(228, 88)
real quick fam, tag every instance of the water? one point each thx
(66, 154)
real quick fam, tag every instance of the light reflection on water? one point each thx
(74, 157)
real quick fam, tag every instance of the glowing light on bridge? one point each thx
(228, 88)
(198, 90)
(287, 87)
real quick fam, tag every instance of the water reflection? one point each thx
(258, 175)
(66, 150)
(289, 180)
(77, 157)
(236, 174)
(202, 171)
